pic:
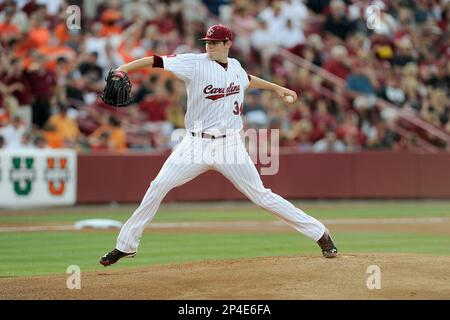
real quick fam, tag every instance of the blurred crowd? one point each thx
(52, 70)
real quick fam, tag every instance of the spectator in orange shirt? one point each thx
(52, 137)
(18, 17)
(61, 32)
(39, 35)
(115, 134)
(101, 143)
(66, 128)
(110, 19)
(8, 29)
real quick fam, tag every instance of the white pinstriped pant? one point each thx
(194, 156)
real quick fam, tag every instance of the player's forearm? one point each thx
(286, 94)
(258, 83)
(137, 64)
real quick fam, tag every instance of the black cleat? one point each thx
(114, 256)
(329, 250)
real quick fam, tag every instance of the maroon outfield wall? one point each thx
(125, 178)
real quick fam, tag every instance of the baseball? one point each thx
(288, 99)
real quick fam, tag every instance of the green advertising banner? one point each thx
(37, 177)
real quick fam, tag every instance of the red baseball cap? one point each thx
(218, 32)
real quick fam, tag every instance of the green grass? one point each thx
(327, 210)
(37, 253)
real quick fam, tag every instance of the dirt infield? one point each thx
(403, 276)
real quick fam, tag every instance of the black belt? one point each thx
(207, 136)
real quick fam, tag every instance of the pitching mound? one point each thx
(403, 276)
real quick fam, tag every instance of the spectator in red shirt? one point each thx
(31, 7)
(349, 131)
(18, 86)
(155, 105)
(443, 23)
(322, 120)
(338, 64)
(44, 83)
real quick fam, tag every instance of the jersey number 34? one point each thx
(238, 109)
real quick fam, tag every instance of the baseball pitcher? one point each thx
(215, 85)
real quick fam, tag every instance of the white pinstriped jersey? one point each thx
(215, 95)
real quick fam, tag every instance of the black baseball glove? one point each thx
(117, 90)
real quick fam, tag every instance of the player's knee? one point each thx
(259, 202)
(264, 199)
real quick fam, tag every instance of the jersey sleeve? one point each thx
(246, 79)
(182, 65)
(242, 73)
